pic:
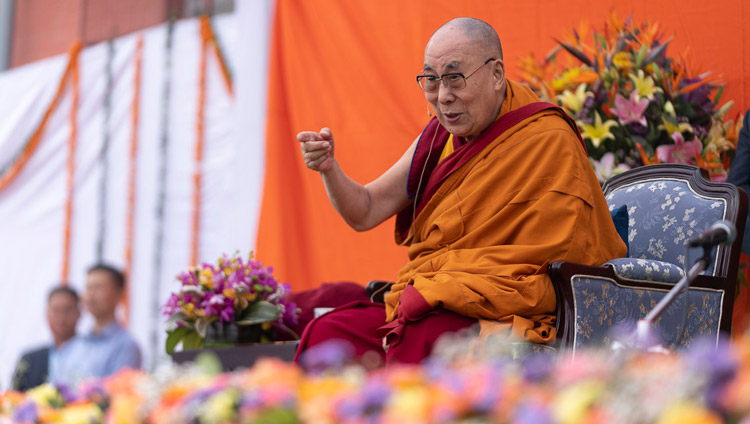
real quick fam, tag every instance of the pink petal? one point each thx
(664, 152)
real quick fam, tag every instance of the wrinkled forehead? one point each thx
(449, 51)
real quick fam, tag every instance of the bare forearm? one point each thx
(362, 207)
(350, 199)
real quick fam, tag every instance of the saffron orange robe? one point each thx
(481, 241)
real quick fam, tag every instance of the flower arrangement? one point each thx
(700, 385)
(233, 290)
(633, 104)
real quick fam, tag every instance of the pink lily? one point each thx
(630, 111)
(605, 168)
(681, 151)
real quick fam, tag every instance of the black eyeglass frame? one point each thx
(450, 74)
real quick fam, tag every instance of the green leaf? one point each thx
(718, 94)
(174, 337)
(602, 42)
(257, 313)
(277, 416)
(639, 57)
(201, 325)
(655, 53)
(575, 52)
(209, 363)
(178, 318)
(192, 340)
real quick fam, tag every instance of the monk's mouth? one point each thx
(452, 117)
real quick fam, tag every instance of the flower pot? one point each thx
(231, 334)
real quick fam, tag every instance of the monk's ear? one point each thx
(498, 73)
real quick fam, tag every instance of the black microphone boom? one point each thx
(720, 232)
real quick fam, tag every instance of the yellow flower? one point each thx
(671, 128)
(409, 404)
(687, 413)
(572, 405)
(644, 85)
(622, 62)
(669, 108)
(716, 139)
(189, 310)
(219, 408)
(574, 76)
(724, 109)
(44, 395)
(599, 131)
(574, 101)
(81, 413)
(205, 278)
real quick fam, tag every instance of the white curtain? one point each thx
(32, 208)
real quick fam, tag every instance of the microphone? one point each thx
(719, 232)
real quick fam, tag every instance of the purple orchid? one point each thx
(631, 110)
(718, 363)
(329, 355)
(533, 412)
(681, 151)
(224, 291)
(219, 305)
(26, 413)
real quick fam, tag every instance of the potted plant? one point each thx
(230, 302)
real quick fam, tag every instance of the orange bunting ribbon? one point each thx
(132, 173)
(208, 39)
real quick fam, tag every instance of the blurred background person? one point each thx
(107, 347)
(739, 172)
(62, 317)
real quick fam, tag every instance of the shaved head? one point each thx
(468, 50)
(477, 31)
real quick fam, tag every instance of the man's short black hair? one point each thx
(62, 290)
(117, 276)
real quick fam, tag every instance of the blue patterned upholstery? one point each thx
(663, 215)
(601, 304)
(667, 205)
(646, 270)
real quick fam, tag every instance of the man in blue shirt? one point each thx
(108, 347)
(62, 317)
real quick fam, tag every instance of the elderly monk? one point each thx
(496, 186)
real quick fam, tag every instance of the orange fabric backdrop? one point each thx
(350, 65)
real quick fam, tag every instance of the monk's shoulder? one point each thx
(545, 132)
(548, 123)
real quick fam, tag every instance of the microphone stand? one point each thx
(643, 328)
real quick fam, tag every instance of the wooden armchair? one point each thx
(666, 205)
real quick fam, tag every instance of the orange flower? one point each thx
(711, 161)
(733, 130)
(645, 158)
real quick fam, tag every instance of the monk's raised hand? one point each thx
(317, 149)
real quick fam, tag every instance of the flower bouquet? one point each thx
(709, 382)
(233, 292)
(633, 104)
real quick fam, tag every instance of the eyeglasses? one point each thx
(453, 80)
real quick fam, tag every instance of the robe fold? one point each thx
(488, 221)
